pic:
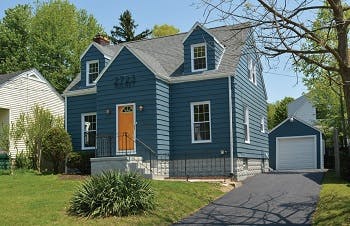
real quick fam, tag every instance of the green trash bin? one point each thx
(4, 161)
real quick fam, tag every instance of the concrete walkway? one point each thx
(286, 198)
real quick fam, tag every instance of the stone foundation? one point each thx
(254, 166)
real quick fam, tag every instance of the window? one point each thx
(245, 163)
(252, 71)
(246, 125)
(91, 72)
(262, 124)
(199, 57)
(88, 122)
(200, 122)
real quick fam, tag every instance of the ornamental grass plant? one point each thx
(112, 193)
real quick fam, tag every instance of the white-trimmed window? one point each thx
(88, 130)
(262, 124)
(92, 71)
(200, 122)
(246, 125)
(252, 70)
(199, 57)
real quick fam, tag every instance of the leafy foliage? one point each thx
(278, 112)
(112, 194)
(44, 39)
(32, 128)
(56, 146)
(4, 137)
(125, 32)
(22, 161)
(164, 30)
(79, 161)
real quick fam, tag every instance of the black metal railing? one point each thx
(177, 164)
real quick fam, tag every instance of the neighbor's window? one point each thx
(88, 130)
(252, 70)
(92, 72)
(262, 124)
(200, 119)
(246, 125)
(199, 57)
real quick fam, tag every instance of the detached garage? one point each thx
(295, 145)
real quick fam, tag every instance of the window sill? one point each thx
(88, 148)
(201, 142)
(247, 141)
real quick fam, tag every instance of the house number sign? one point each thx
(125, 81)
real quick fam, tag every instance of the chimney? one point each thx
(100, 39)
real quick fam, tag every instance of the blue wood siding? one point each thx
(182, 94)
(162, 106)
(92, 54)
(288, 129)
(247, 94)
(76, 106)
(142, 92)
(214, 50)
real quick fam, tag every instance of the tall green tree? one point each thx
(50, 38)
(15, 39)
(278, 111)
(125, 31)
(164, 30)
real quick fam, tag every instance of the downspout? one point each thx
(231, 123)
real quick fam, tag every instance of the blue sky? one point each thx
(280, 81)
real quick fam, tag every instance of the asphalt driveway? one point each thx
(286, 198)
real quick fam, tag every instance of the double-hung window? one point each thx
(88, 122)
(199, 57)
(252, 70)
(246, 125)
(91, 72)
(200, 122)
(262, 124)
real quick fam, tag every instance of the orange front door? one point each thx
(126, 130)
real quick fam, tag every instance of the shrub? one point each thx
(79, 162)
(23, 161)
(56, 146)
(112, 194)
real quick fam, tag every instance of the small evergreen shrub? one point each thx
(112, 194)
(56, 146)
(79, 162)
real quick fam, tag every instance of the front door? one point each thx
(126, 128)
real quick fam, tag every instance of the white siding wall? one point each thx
(21, 94)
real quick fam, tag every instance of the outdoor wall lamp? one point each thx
(291, 119)
(108, 111)
(141, 108)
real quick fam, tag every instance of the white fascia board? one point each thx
(80, 92)
(99, 49)
(73, 83)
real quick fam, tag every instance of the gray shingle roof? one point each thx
(7, 77)
(165, 54)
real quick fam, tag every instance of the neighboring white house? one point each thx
(302, 109)
(19, 92)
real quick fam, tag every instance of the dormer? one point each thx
(93, 60)
(202, 51)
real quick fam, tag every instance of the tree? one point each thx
(283, 27)
(4, 137)
(44, 39)
(277, 112)
(56, 146)
(32, 128)
(15, 39)
(164, 30)
(125, 32)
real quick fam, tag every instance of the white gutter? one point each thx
(231, 123)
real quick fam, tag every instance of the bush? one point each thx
(79, 162)
(23, 161)
(56, 146)
(112, 194)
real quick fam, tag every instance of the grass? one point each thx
(30, 199)
(333, 207)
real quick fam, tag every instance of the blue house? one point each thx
(190, 104)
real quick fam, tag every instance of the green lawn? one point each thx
(333, 207)
(29, 199)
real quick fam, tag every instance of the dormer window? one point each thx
(91, 72)
(199, 57)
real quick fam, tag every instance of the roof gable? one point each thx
(292, 119)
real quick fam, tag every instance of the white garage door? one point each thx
(294, 153)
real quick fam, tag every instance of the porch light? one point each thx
(291, 119)
(108, 111)
(141, 108)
